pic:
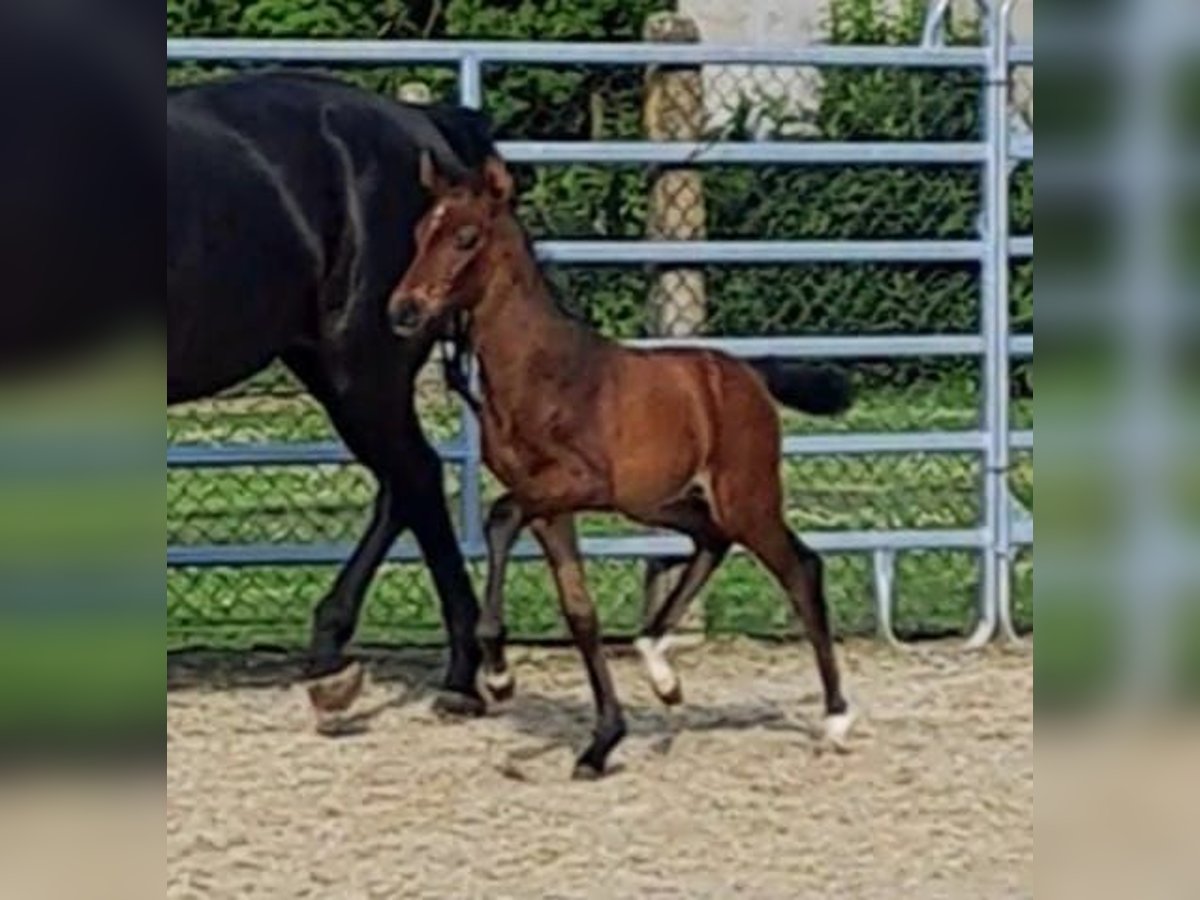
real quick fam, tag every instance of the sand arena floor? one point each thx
(727, 796)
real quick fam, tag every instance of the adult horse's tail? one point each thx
(818, 390)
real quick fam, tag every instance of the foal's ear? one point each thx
(431, 178)
(497, 180)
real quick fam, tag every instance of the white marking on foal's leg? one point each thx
(662, 677)
(837, 727)
(499, 683)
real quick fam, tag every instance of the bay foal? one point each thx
(681, 439)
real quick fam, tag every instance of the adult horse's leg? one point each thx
(557, 537)
(426, 512)
(380, 427)
(504, 522)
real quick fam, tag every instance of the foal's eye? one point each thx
(466, 237)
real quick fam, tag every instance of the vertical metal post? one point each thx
(933, 33)
(995, 594)
(884, 572)
(673, 110)
(1002, 83)
(470, 93)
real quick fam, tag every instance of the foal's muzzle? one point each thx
(405, 318)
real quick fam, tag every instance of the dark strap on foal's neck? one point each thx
(456, 362)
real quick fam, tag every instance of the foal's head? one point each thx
(449, 271)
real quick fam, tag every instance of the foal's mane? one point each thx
(530, 249)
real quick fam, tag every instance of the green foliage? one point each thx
(310, 18)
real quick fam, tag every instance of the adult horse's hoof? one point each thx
(333, 694)
(450, 704)
(337, 691)
(500, 685)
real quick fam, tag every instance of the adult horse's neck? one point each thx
(518, 332)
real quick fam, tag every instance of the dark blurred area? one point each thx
(82, 176)
(82, 382)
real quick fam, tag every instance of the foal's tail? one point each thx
(812, 389)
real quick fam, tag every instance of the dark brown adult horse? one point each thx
(682, 439)
(291, 206)
(287, 198)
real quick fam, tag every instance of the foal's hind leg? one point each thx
(692, 517)
(557, 537)
(652, 643)
(801, 573)
(504, 522)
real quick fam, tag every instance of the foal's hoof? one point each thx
(673, 696)
(500, 685)
(663, 680)
(450, 704)
(837, 729)
(586, 771)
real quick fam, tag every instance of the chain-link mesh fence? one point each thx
(936, 590)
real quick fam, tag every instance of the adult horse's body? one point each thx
(291, 205)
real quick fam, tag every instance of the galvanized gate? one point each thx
(1002, 526)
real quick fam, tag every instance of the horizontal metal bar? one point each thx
(743, 152)
(376, 52)
(1020, 55)
(1021, 247)
(646, 252)
(1020, 147)
(898, 442)
(882, 346)
(634, 252)
(184, 456)
(1021, 533)
(885, 442)
(631, 547)
(223, 456)
(864, 347)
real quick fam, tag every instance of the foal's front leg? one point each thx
(504, 522)
(557, 537)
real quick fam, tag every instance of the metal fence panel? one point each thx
(238, 439)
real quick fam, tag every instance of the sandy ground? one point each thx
(729, 795)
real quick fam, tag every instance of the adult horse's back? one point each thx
(290, 212)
